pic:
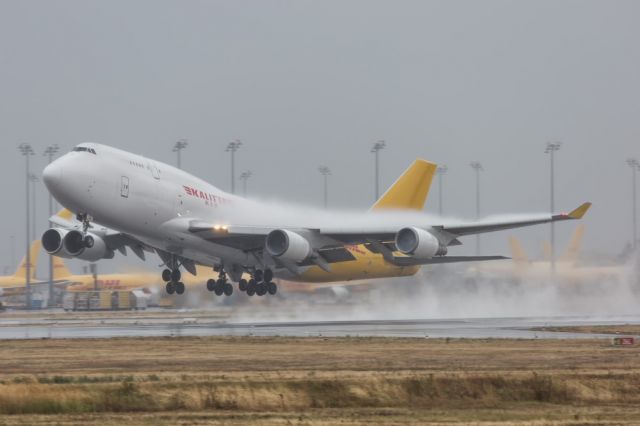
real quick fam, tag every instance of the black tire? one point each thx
(261, 289)
(219, 288)
(272, 288)
(242, 285)
(170, 288)
(258, 275)
(166, 275)
(180, 287)
(211, 285)
(268, 275)
(228, 289)
(251, 290)
(176, 275)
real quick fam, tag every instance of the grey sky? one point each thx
(306, 83)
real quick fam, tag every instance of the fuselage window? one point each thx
(84, 149)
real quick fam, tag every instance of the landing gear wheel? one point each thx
(272, 288)
(228, 289)
(211, 285)
(251, 287)
(166, 275)
(170, 287)
(242, 285)
(219, 288)
(261, 289)
(176, 275)
(258, 275)
(268, 275)
(180, 287)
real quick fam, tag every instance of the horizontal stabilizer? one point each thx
(410, 261)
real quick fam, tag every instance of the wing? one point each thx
(329, 244)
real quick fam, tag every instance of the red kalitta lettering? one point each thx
(209, 198)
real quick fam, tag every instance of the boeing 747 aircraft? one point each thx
(123, 200)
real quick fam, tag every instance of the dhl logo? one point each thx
(355, 249)
(209, 198)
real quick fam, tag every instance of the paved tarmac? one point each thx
(159, 325)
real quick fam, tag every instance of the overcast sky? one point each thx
(305, 83)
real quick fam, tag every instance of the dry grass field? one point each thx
(317, 381)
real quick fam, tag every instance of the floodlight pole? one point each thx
(244, 177)
(477, 167)
(232, 147)
(325, 172)
(27, 151)
(177, 148)
(635, 165)
(551, 148)
(50, 152)
(441, 170)
(377, 147)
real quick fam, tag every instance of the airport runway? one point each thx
(518, 328)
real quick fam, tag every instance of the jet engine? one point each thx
(88, 247)
(287, 245)
(72, 244)
(418, 243)
(52, 241)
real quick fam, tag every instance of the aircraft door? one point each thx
(124, 187)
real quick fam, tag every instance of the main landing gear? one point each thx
(260, 283)
(172, 278)
(221, 285)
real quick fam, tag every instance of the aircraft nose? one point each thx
(52, 174)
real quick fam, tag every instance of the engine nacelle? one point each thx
(418, 243)
(288, 245)
(88, 247)
(53, 242)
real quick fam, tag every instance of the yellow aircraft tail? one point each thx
(575, 245)
(60, 270)
(411, 189)
(517, 251)
(34, 252)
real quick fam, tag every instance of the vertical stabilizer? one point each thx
(60, 270)
(411, 189)
(517, 251)
(34, 252)
(575, 245)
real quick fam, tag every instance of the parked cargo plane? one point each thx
(123, 200)
(16, 283)
(568, 268)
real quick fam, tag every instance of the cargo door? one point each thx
(124, 187)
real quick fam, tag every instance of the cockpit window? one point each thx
(85, 149)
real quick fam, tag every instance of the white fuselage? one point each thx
(144, 198)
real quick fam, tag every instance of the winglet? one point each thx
(580, 211)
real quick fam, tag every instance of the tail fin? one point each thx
(65, 214)
(60, 270)
(34, 252)
(411, 189)
(517, 251)
(575, 245)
